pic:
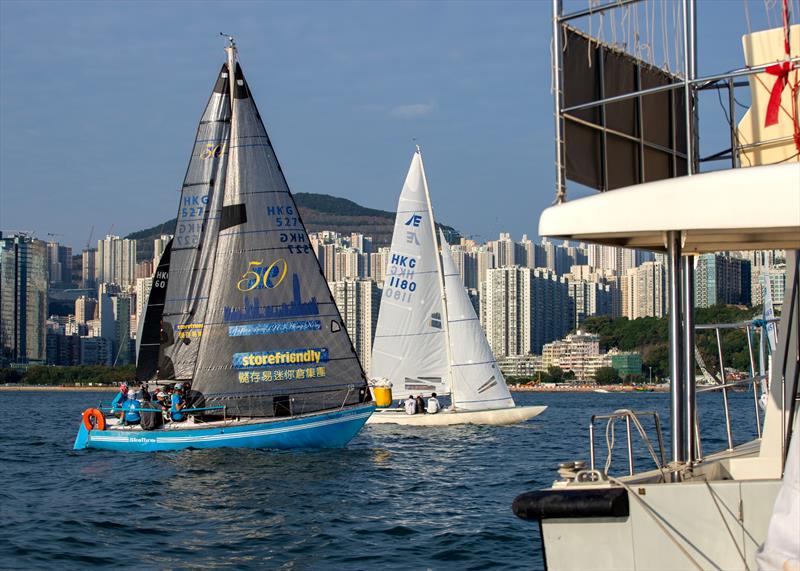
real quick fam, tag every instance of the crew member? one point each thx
(411, 405)
(178, 403)
(120, 398)
(433, 404)
(130, 409)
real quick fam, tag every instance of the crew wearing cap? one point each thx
(177, 404)
(131, 409)
(120, 398)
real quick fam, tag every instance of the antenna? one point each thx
(231, 41)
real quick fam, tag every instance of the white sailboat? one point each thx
(428, 337)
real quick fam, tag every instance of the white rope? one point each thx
(609, 444)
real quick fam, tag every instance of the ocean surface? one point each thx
(395, 498)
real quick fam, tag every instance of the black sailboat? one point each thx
(245, 315)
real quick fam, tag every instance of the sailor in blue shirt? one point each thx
(122, 396)
(177, 403)
(131, 409)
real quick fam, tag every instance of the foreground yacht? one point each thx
(700, 509)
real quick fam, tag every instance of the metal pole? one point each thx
(724, 392)
(591, 444)
(690, 72)
(677, 391)
(630, 444)
(561, 191)
(749, 332)
(688, 355)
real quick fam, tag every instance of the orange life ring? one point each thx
(94, 414)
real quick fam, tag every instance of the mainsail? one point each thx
(148, 334)
(194, 244)
(273, 342)
(478, 383)
(410, 343)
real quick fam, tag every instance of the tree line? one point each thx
(69, 376)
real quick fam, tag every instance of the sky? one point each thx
(99, 104)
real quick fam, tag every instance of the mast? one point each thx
(440, 271)
(231, 51)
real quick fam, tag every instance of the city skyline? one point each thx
(347, 90)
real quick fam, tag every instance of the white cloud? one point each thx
(412, 110)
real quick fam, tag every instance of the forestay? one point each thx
(194, 243)
(273, 342)
(409, 348)
(478, 383)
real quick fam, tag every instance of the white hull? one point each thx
(496, 417)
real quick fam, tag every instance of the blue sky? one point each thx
(99, 102)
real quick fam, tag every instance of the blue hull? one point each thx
(325, 430)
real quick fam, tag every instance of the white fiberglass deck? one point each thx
(739, 209)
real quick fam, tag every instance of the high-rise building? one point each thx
(644, 291)
(521, 309)
(721, 279)
(116, 261)
(504, 250)
(777, 284)
(378, 262)
(89, 269)
(144, 269)
(85, 309)
(590, 298)
(96, 351)
(485, 261)
(59, 263)
(159, 245)
(143, 286)
(121, 305)
(358, 301)
(23, 299)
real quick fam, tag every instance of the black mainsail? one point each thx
(271, 341)
(148, 337)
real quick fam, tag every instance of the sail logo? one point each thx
(213, 151)
(263, 276)
(273, 328)
(414, 221)
(254, 360)
(189, 330)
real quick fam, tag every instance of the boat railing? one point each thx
(757, 374)
(112, 410)
(631, 418)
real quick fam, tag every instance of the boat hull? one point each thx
(498, 417)
(324, 430)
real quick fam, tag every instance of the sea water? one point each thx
(395, 498)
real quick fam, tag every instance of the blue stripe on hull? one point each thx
(327, 430)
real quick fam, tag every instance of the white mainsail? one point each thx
(478, 383)
(410, 347)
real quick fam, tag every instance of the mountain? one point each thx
(319, 212)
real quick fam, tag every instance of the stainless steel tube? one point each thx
(688, 355)
(677, 391)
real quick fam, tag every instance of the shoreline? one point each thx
(33, 388)
(513, 389)
(588, 389)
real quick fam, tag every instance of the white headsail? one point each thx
(410, 342)
(478, 383)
